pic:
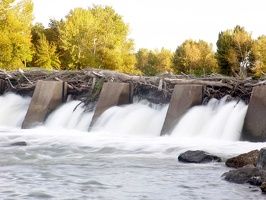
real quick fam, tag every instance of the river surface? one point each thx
(122, 157)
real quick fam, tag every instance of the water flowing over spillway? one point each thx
(123, 155)
(217, 120)
(13, 109)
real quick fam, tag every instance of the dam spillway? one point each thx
(161, 91)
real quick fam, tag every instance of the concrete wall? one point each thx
(112, 94)
(183, 98)
(47, 96)
(2, 86)
(254, 128)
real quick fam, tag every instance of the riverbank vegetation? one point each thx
(97, 37)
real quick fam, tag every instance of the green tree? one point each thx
(194, 58)
(153, 62)
(224, 44)
(260, 52)
(46, 54)
(164, 61)
(15, 26)
(52, 36)
(97, 37)
(36, 33)
(235, 52)
(146, 60)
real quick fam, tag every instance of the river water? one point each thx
(123, 156)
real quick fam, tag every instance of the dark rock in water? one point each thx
(246, 174)
(257, 180)
(241, 175)
(22, 143)
(261, 164)
(198, 157)
(263, 187)
(242, 160)
(253, 174)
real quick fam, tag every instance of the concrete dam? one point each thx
(47, 95)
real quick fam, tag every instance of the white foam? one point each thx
(136, 119)
(216, 120)
(70, 115)
(13, 109)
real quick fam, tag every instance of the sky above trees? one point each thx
(168, 23)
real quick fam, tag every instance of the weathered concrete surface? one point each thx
(184, 97)
(47, 96)
(261, 164)
(2, 86)
(112, 94)
(254, 128)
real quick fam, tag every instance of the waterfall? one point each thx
(13, 109)
(140, 118)
(218, 119)
(71, 115)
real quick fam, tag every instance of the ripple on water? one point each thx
(39, 195)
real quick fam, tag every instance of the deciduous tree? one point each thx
(47, 57)
(235, 52)
(97, 37)
(194, 58)
(15, 26)
(260, 53)
(152, 62)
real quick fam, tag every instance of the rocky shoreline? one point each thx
(248, 167)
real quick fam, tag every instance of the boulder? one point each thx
(241, 175)
(255, 174)
(22, 143)
(263, 187)
(258, 179)
(261, 164)
(244, 159)
(198, 157)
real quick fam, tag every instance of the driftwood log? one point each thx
(85, 85)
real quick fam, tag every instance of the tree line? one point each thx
(97, 37)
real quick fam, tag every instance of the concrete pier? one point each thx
(184, 97)
(47, 96)
(254, 128)
(2, 86)
(112, 94)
